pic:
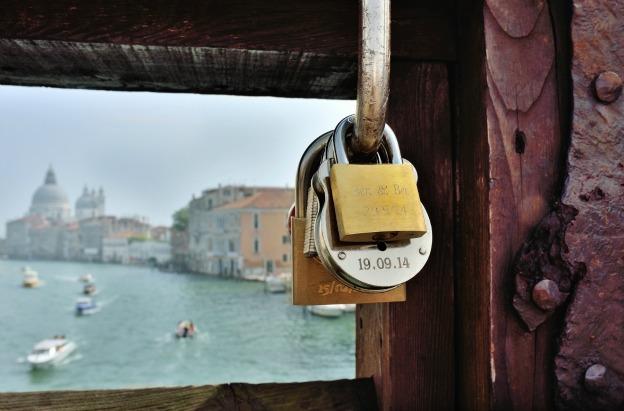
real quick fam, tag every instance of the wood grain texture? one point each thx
(594, 323)
(472, 278)
(278, 48)
(525, 145)
(176, 69)
(408, 347)
(316, 395)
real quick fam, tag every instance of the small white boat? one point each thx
(89, 289)
(328, 311)
(85, 306)
(349, 308)
(50, 352)
(30, 278)
(86, 278)
(185, 329)
(275, 284)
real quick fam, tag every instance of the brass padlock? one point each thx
(373, 267)
(375, 202)
(312, 283)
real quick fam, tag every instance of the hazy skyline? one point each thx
(150, 151)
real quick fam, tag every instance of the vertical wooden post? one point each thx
(408, 347)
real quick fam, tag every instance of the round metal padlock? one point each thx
(370, 267)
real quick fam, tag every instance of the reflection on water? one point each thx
(244, 334)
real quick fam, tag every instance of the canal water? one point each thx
(245, 335)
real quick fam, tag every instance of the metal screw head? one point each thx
(422, 251)
(596, 378)
(607, 87)
(546, 295)
(342, 255)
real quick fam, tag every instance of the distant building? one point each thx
(48, 230)
(3, 251)
(50, 201)
(246, 236)
(90, 204)
(18, 241)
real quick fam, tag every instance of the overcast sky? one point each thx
(149, 151)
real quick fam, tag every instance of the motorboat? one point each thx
(86, 278)
(275, 284)
(185, 329)
(327, 311)
(89, 289)
(85, 306)
(349, 308)
(50, 352)
(30, 278)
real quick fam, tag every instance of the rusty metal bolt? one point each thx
(607, 87)
(546, 295)
(596, 378)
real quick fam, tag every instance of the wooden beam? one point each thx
(408, 347)
(315, 395)
(509, 150)
(176, 69)
(294, 49)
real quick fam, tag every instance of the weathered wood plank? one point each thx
(408, 347)
(593, 331)
(176, 69)
(296, 49)
(472, 278)
(423, 30)
(507, 164)
(315, 395)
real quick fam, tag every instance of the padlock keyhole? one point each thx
(382, 246)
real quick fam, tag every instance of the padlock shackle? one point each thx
(340, 142)
(373, 76)
(305, 171)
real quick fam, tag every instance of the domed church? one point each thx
(50, 200)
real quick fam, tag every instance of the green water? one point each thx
(244, 335)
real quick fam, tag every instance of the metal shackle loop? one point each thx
(373, 76)
(305, 171)
(340, 142)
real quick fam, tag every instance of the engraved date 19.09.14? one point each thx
(386, 263)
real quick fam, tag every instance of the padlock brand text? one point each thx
(332, 287)
(386, 263)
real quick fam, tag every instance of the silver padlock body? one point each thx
(369, 267)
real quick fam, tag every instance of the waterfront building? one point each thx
(18, 243)
(244, 237)
(3, 251)
(48, 230)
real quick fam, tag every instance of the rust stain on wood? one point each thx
(525, 148)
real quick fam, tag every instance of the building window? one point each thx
(256, 221)
(284, 257)
(256, 246)
(285, 239)
(231, 246)
(269, 266)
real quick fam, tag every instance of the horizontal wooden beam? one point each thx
(176, 69)
(291, 49)
(356, 394)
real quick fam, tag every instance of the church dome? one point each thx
(86, 200)
(50, 200)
